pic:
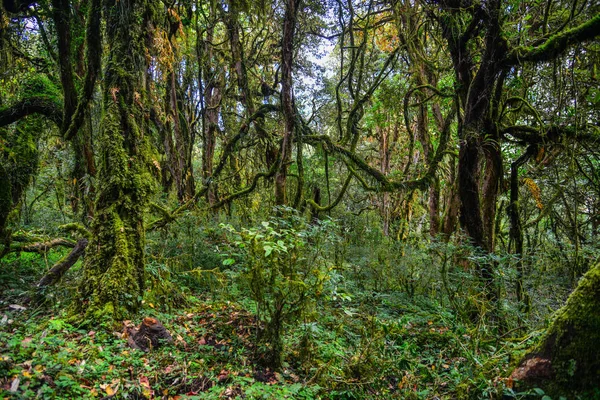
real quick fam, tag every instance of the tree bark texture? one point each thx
(113, 279)
(287, 100)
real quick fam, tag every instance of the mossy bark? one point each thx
(19, 159)
(113, 280)
(568, 358)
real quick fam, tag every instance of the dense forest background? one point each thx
(306, 199)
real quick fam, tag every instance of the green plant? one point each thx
(285, 267)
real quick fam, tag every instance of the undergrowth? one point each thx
(367, 318)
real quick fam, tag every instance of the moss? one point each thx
(5, 199)
(571, 341)
(113, 281)
(19, 160)
(41, 86)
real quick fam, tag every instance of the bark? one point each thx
(567, 360)
(42, 247)
(61, 10)
(287, 101)
(93, 54)
(489, 192)
(212, 99)
(113, 277)
(61, 267)
(516, 230)
(43, 105)
(384, 154)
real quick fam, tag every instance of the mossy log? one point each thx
(567, 360)
(62, 266)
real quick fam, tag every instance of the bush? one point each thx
(285, 267)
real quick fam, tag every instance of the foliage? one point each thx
(286, 267)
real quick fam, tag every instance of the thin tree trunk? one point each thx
(287, 101)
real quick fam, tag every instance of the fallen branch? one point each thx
(62, 266)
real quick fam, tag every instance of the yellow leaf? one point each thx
(27, 374)
(151, 305)
(109, 391)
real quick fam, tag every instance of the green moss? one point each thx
(571, 341)
(19, 160)
(41, 86)
(113, 281)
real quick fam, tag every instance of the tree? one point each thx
(113, 277)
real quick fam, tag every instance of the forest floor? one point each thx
(399, 351)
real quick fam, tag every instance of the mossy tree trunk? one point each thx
(568, 357)
(19, 159)
(287, 100)
(113, 281)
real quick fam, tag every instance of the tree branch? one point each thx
(556, 44)
(62, 266)
(32, 105)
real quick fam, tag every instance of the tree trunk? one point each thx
(516, 230)
(212, 98)
(113, 279)
(287, 101)
(568, 358)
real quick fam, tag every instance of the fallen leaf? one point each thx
(223, 375)
(14, 386)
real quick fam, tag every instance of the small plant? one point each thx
(285, 268)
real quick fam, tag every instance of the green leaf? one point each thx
(268, 250)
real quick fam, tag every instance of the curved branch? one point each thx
(387, 185)
(531, 135)
(556, 44)
(248, 188)
(337, 200)
(32, 105)
(227, 151)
